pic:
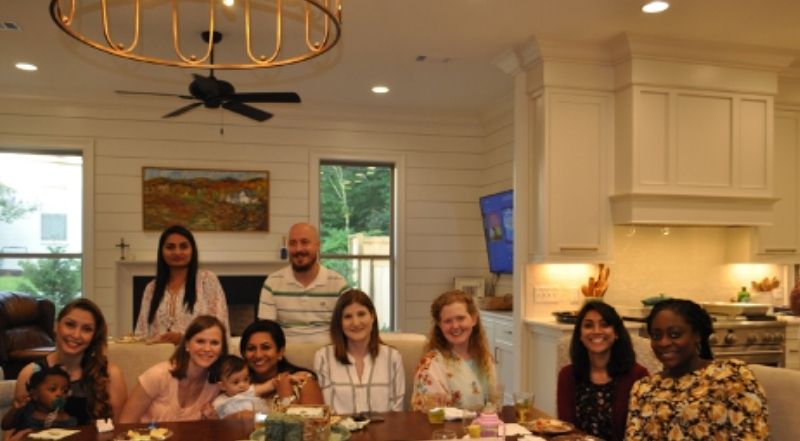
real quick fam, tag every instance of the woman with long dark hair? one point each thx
(263, 345)
(182, 388)
(357, 372)
(694, 397)
(593, 390)
(97, 388)
(180, 291)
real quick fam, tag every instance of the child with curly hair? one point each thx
(48, 388)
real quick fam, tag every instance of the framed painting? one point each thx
(205, 200)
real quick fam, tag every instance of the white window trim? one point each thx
(86, 147)
(318, 156)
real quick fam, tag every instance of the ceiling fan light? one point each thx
(28, 67)
(380, 89)
(656, 6)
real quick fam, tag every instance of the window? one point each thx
(41, 209)
(54, 227)
(356, 229)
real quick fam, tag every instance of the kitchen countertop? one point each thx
(552, 323)
(503, 314)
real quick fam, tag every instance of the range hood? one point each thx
(674, 209)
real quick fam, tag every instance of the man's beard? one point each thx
(304, 268)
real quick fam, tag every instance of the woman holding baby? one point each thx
(182, 388)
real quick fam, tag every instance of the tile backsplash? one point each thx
(687, 262)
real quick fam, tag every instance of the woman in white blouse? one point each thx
(357, 372)
(180, 291)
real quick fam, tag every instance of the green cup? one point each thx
(436, 415)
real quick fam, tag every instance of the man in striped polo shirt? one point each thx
(301, 296)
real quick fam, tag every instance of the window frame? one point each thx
(62, 146)
(397, 261)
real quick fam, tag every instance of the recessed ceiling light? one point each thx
(656, 6)
(380, 89)
(227, 3)
(26, 67)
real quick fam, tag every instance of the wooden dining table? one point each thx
(394, 426)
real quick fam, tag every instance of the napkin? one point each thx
(530, 438)
(353, 425)
(52, 434)
(513, 429)
(454, 413)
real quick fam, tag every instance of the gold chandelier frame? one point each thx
(326, 27)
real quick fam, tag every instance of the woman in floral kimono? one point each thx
(457, 369)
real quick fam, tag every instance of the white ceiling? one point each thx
(381, 39)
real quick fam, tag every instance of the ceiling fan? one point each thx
(214, 93)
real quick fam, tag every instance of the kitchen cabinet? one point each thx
(499, 333)
(793, 344)
(571, 151)
(781, 240)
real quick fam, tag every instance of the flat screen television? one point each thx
(497, 211)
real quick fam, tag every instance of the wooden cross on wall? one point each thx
(122, 245)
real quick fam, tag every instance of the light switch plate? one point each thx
(545, 294)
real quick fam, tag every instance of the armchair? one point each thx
(26, 330)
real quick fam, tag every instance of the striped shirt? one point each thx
(304, 312)
(381, 388)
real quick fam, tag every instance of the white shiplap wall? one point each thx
(498, 158)
(447, 165)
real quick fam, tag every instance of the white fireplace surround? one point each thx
(128, 269)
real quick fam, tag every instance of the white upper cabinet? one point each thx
(572, 158)
(694, 135)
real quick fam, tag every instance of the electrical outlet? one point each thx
(545, 294)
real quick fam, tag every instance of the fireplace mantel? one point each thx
(128, 269)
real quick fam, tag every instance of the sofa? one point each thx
(782, 387)
(26, 330)
(134, 358)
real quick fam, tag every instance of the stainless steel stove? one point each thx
(754, 340)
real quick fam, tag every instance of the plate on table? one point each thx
(338, 433)
(575, 437)
(144, 434)
(549, 426)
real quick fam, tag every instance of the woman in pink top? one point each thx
(182, 388)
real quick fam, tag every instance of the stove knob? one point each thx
(752, 339)
(712, 339)
(777, 338)
(766, 338)
(730, 339)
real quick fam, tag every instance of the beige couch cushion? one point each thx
(6, 398)
(782, 387)
(135, 358)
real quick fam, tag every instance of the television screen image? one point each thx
(497, 211)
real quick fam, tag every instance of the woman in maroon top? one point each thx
(593, 391)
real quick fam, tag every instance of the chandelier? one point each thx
(268, 33)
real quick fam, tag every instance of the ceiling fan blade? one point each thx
(182, 110)
(133, 92)
(248, 111)
(266, 97)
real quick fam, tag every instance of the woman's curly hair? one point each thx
(478, 344)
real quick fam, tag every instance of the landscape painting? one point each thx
(205, 200)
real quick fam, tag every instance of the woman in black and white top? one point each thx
(357, 372)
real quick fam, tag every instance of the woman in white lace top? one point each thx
(180, 291)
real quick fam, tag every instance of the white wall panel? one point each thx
(445, 167)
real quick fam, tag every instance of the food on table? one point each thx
(549, 425)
